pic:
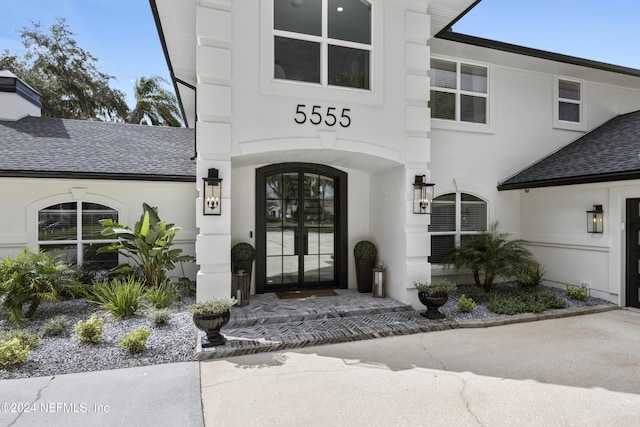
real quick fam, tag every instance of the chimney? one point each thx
(17, 99)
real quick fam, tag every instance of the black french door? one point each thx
(633, 253)
(300, 227)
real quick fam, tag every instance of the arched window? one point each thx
(71, 231)
(454, 218)
(323, 41)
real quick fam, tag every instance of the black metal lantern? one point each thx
(212, 193)
(422, 195)
(595, 220)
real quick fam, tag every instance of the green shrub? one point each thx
(149, 246)
(530, 275)
(490, 255)
(89, 332)
(465, 304)
(159, 317)
(121, 297)
(56, 326)
(515, 302)
(365, 249)
(27, 339)
(32, 277)
(579, 294)
(214, 306)
(135, 341)
(13, 352)
(162, 296)
(435, 288)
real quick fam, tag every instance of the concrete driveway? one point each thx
(576, 371)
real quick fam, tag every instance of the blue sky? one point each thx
(122, 34)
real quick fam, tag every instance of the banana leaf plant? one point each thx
(148, 246)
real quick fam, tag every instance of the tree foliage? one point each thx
(154, 104)
(66, 75)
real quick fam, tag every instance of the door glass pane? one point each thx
(58, 222)
(326, 241)
(443, 105)
(274, 187)
(326, 213)
(274, 271)
(274, 241)
(350, 20)
(289, 241)
(91, 214)
(313, 236)
(297, 60)
(311, 268)
(290, 269)
(274, 213)
(298, 16)
(348, 67)
(327, 268)
(326, 188)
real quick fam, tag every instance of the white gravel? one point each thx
(175, 342)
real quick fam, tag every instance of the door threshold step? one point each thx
(270, 337)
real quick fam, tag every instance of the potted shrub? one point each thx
(365, 254)
(434, 296)
(242, 257)
(210, 316)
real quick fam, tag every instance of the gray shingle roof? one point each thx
(610, 152)
(46, 147)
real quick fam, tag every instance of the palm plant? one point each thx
(154, 104)
(491, 255)
(32, 277)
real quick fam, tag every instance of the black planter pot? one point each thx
(364, 274)
(432, 302)
(211, 324)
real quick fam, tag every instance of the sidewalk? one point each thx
(580, 371)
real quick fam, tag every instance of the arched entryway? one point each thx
(301, 227)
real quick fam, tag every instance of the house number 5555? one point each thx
(316, 115)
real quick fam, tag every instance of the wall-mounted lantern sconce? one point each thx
(595, 220)
(422, 195)
(212, 193)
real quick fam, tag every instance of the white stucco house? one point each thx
(318, 115)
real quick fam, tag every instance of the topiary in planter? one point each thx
(242, 257)
(365, 254)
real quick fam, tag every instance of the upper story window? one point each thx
(569, 98)
(455, 217)
(71, 231)
(323, 41)
(459, 91)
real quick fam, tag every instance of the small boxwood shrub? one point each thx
(56, 326)
(159, 317)
(135, 341)
(89, 332)
(28, 339)
(579, 294)
(466, 304)
(13, 352)
(516, 302)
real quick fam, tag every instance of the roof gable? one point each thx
(610, 152)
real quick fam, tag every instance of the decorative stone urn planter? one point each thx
(434, 296)
(210, 316)
(433, 303)
(211, 324)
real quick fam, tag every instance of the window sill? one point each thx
(462, 126)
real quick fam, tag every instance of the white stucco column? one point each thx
(213, 139)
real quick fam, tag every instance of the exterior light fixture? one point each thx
(422, 195)
(595, 220)
(212, 193)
